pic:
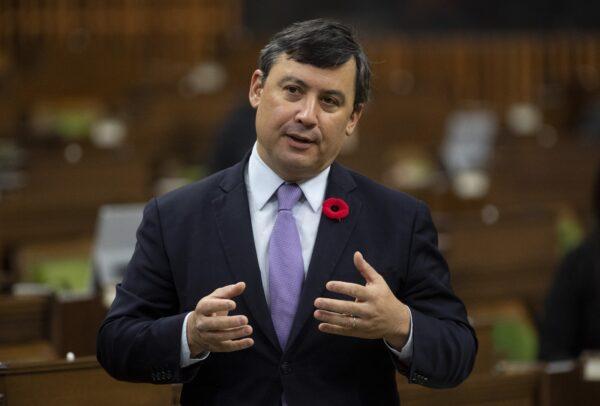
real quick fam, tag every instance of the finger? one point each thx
(229, 291)
(235, 345)
(364, 268)
(349, 289)
(337, 330)
(209, 305)
(221, 322)
(340, 306)
(337, 319)
(226, 335)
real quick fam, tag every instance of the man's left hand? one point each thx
(375, 313)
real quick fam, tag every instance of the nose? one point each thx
(307, 115)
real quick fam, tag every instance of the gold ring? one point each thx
(353, 321)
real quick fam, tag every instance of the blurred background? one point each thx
(487, 111)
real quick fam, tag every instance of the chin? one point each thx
(295, 169)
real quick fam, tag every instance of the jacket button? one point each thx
(286, 368)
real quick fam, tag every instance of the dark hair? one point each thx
(321, 43)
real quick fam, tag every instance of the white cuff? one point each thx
(185, 358)
(405, 354)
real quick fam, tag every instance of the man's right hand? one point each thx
(209, 328)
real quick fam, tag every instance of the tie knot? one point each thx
(287, 195)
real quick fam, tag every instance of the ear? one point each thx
(353, 120)
(256, 87)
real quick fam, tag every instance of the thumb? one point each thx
(364, 268)
(229, 291)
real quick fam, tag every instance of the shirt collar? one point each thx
(263, 183)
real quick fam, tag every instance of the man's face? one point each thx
(304, 115)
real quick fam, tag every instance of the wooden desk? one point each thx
(42, 328)
(568, 388)
(81, 382)
(24, 318)
(61, 200)
(29, 351)
(478, 389)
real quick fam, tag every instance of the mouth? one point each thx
(299, 138)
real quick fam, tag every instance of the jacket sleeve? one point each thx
(140, 339)
(444, 343)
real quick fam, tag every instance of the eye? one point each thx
(330, 101)
(292, 89)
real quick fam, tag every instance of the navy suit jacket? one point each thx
(199, 238)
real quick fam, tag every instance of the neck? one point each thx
(283, 174)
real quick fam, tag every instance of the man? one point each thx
(254, 287)
(570, 322)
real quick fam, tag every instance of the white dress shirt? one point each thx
(262, 183)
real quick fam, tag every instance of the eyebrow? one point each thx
(303, 84)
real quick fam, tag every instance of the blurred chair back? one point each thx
(114, 244)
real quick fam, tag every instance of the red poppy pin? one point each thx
(335, 208)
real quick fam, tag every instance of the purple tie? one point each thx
(286, 267)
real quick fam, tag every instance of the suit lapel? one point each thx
(332, 238)
(235, 230)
